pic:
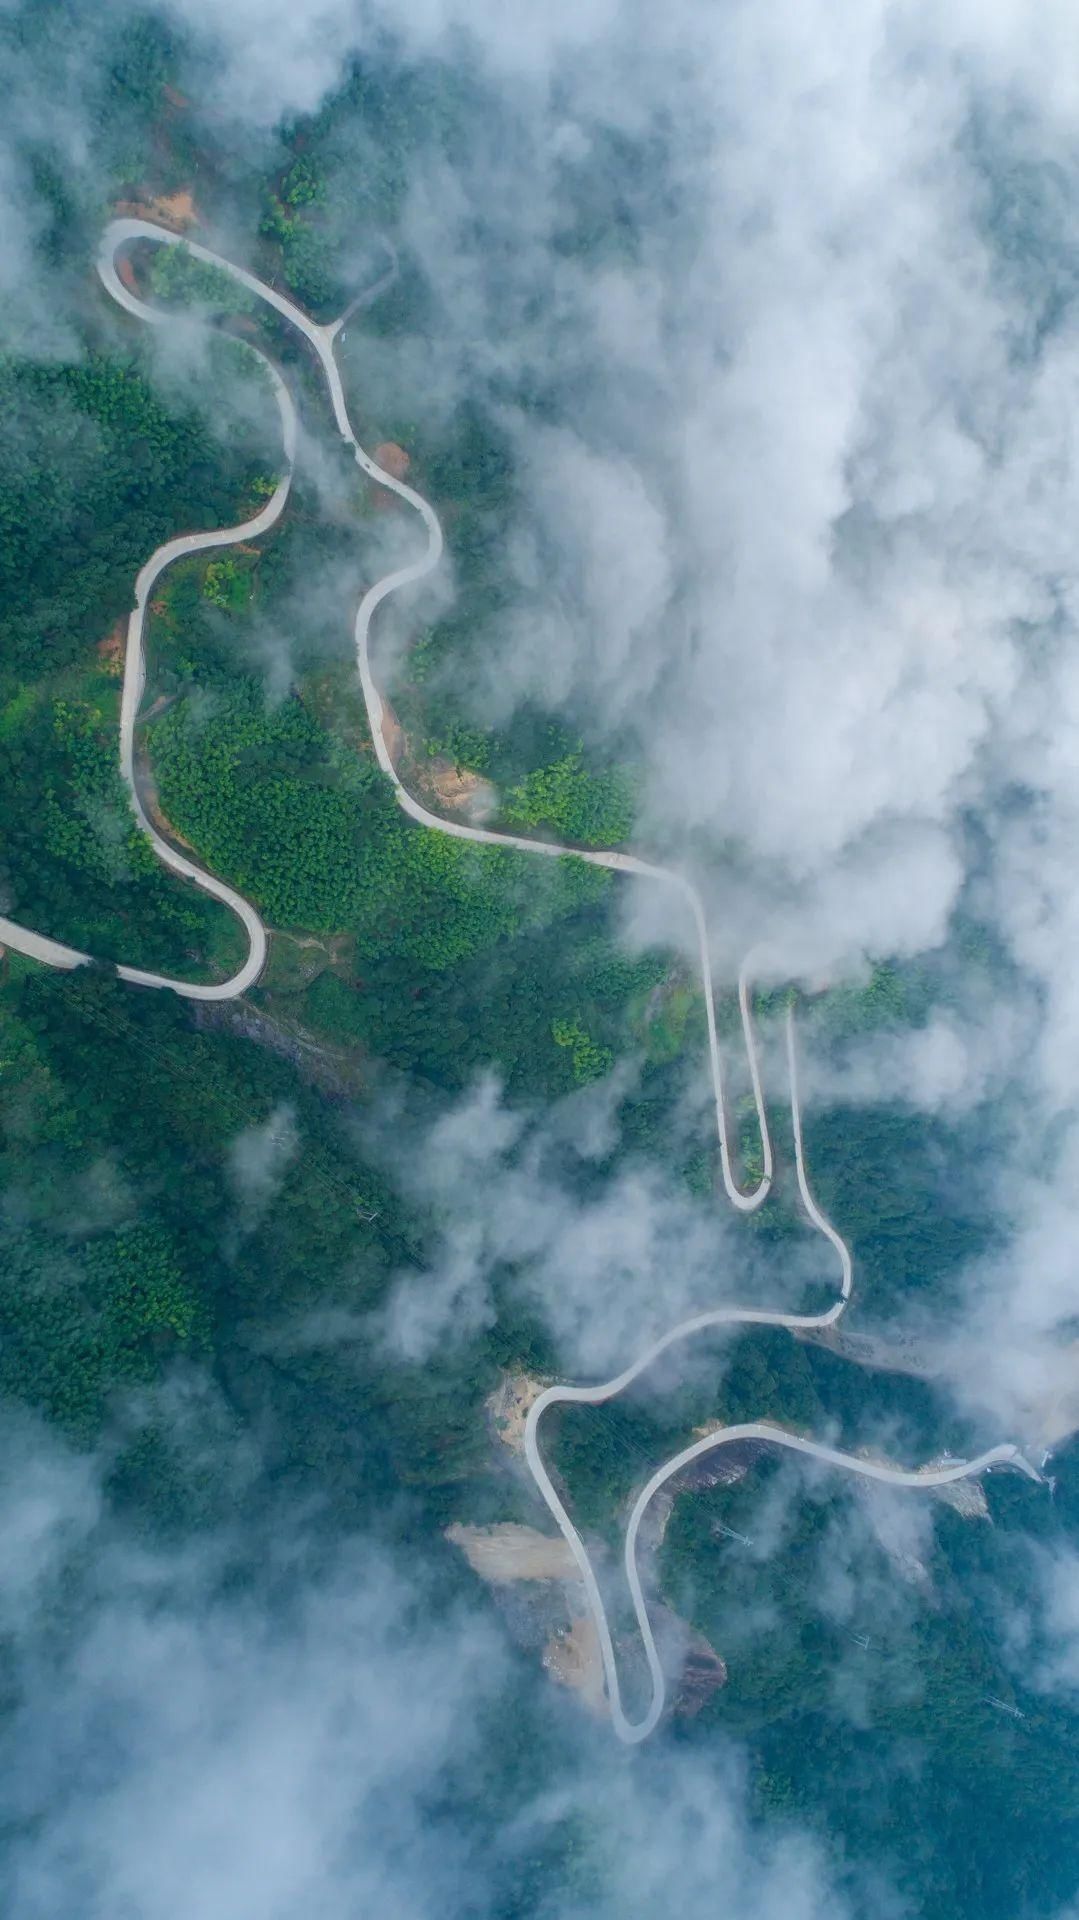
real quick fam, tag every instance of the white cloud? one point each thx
(1059, 1665)
(51, 1503)
(198, 1758)
(325, 1738)
(258, 1161)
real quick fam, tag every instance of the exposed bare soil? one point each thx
(967, 1497)
(459, 790)
(508, 1551)
(508, 1408)
(392, 459)
(110, 651)
(175, 210)
(573, 1658)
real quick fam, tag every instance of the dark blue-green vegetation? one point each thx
(74, 862)
(98, 469)
(842, 1655)
(136, 1258)
(309, 828)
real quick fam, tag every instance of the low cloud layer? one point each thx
(585, 1262)
(316, 1743)
(795, 527)
(185, 1754)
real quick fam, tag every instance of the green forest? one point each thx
(406, 967)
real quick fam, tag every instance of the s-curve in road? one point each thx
(919, 1478)
(322, 340)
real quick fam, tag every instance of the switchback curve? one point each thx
(321, 338)
(632, 1732)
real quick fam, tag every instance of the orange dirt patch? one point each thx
(454, 786)
(175, 210)
(507, 1551)
(392, 459)
(459, 790)
(126, 273)
(110, 651)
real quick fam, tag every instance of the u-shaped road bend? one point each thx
(629, 1731)
(322, 338)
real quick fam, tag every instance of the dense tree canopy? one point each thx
(310, 830)
(216, 1202)
(95, 472)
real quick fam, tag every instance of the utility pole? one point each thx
(728, 1533)
(1003, 1706)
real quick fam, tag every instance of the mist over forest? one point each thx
(734, 349)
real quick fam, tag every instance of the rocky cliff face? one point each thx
(703, 1673)
(696, 1670)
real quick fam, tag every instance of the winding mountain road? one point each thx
(321, 338)
(922, 1478)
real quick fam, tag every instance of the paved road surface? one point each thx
(321, 338)
(921, 1477)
